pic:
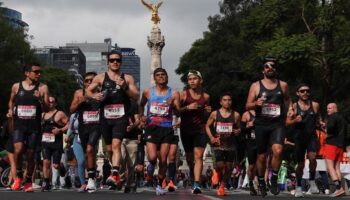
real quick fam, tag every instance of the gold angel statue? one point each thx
(154, 9)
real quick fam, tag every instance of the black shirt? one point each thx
(336, 130)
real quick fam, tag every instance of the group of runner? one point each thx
(108, 106)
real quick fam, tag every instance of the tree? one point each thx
(14, 51)
(61, 85)
(310, 39)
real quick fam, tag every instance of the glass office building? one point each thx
(14, 17)
(96, 61)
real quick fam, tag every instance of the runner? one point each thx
(54, 122)
(27, 100)
(113, 89)
(269, 98)
(160, 100)
(305, 118)
(227, 125)
(194, 113)
(89, 128)
(248, 131)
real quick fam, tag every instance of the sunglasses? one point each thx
(160, 74)
(305, 90)
(37, 71)
(269, 65)
(88, 80)
(112, 60)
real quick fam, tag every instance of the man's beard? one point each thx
(271, 75)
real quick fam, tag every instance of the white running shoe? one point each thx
(299, 192)
(160, 190)
(313, 188)
(91, 186)
(327, 191)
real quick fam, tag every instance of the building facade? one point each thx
(131, 64)
(70, 59)
(14, 17)
(96, 60)
(95, 54)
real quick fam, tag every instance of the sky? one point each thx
(127, 22)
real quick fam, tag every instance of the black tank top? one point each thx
(223, 129)
(193, 120)
(116, 104)
(48, 138)
(250, 132)
(273, 109)
(308, 123)
(88, 113)
(27, 109)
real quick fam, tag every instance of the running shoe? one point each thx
(160, 191)
(171, 186)
(299, 192)
(17, 184)
(91, 186)
(338, 193)
(28, 187)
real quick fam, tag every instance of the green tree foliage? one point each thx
(309, 37)
(14, 50)
(61, 85)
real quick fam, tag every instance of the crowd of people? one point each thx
(134, 124)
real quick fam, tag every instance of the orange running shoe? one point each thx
(28, 187)
(16, 184)
(215, 178)
(221, 191)
(164, 183)
(171, 186)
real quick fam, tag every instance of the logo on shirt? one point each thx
(21, 93)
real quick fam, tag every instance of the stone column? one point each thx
(156, 43)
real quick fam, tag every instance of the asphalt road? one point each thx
(143, 194)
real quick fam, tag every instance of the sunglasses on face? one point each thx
(304, 91)
(88, 80)
(112, 60)
(160, 74)
(36, 71)
(270, 65)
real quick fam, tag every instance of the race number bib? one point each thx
(224, 127)
(26, 112)
(271, 110)
(91, 117)
(160, 109)
(114, 111)
(48, 138)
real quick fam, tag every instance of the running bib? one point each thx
(271, 110)
(224, 127)
(26, 112)
(48, 138)
(114, 111)
(91, 117)
(159, 109)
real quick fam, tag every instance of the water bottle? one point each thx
(264, 96)
(282, 176)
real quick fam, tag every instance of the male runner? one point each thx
(28, 99)
(114, 90)
(269, 97)
(195, 109)
(160, 100)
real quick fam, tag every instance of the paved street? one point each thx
(143, 194)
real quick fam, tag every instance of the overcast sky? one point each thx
(127, 22)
